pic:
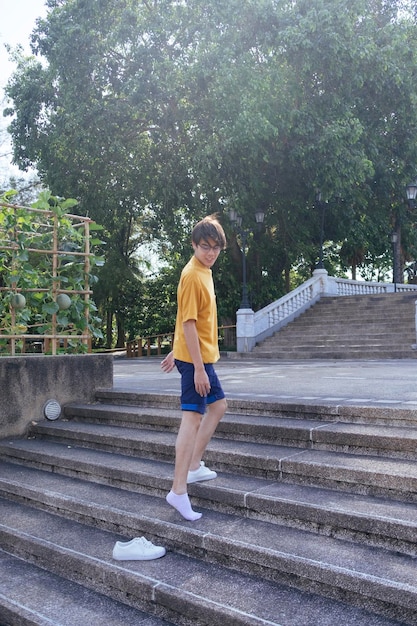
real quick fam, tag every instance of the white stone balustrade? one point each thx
(251, 327)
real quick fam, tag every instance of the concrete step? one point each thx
(143, 405)
(370, 318)
(292, 511)
(353, 348)
(234, 554)
(332, 327)
(390, 300)
(336, 320)
(349, 471)
(340, 336)
(311, 427)
(362, 352)
(33, 596)
(369, 520)
(336, 343)
(264, 352)
(272, 459)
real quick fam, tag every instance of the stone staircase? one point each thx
(311, 521)
(377, 326)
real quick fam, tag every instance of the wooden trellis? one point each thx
(47, 222)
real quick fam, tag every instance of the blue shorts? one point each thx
(190, 399)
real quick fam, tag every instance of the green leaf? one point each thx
(50, 308)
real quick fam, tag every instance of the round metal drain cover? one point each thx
(52, 409)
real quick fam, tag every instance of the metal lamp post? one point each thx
(237, 224)
(411, 195)
(322, 206)
(394, 241)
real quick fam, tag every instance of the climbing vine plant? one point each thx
(46, 274)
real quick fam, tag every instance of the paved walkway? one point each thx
(370, 383)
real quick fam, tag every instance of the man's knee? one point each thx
(219, 407)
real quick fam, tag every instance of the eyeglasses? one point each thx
(207, 248)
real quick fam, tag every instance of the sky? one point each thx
(17, 20)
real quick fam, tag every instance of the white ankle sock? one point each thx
(183, 505)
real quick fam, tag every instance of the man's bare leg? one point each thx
(206, 430)
(184, 446)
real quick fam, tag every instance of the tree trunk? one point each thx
(121, 336)
(397, 260)
(109, 328)
(287, 280)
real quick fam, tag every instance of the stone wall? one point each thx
(27, 382)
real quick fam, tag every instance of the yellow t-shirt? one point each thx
(197, 301)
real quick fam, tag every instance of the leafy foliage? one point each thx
(156, 114)
(29, 267)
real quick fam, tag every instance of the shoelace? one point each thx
(144, 542)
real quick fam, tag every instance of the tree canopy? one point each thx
(155, 113)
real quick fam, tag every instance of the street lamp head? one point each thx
(259, 217)
(411, 191)
(233, 216)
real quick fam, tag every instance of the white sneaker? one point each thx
(138, 549)
(202, 473)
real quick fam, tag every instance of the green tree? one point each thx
(155, 114)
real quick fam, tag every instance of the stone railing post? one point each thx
(327, 285)
(245, 330)
(414, 346)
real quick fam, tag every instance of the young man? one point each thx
(195, 350)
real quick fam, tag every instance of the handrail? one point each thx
(135, 347)
(141, 346)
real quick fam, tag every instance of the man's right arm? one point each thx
(201, 380)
